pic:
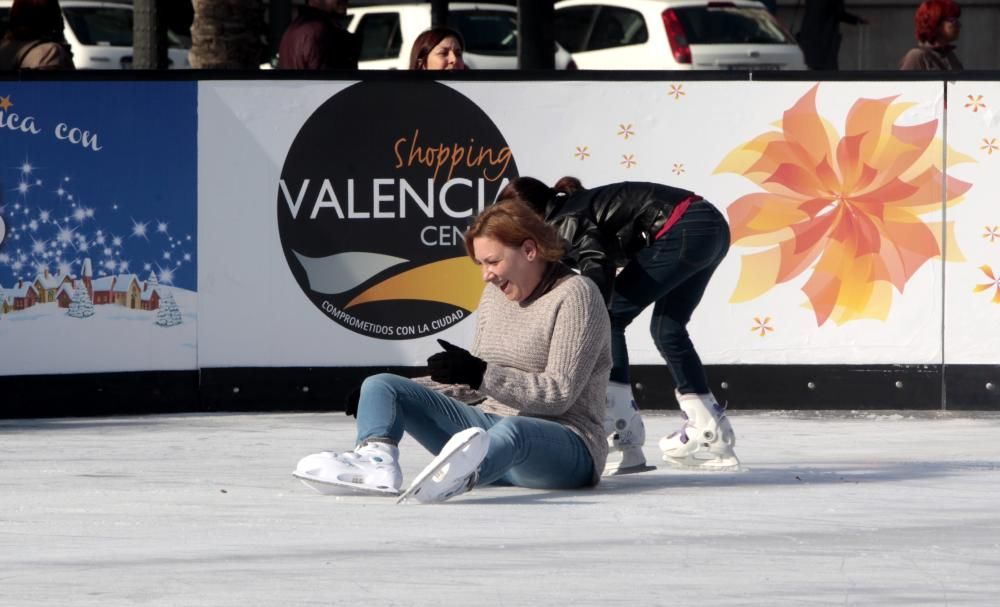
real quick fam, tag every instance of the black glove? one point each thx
(351, 402)
(456, 366)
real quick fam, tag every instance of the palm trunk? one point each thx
(226, 34)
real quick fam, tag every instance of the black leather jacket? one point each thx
(606, 226)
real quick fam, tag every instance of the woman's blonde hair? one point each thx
(511, 222)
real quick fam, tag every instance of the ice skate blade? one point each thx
(471, 442)
(616, 470)
(337, 487)
(708, 465)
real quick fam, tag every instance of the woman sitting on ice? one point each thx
(538, 370)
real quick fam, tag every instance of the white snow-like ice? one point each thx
(834, 509)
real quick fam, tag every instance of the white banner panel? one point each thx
(972, 288)
(330, 213)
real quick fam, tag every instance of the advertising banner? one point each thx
(972, 290)
(98, 234)
(332, 212)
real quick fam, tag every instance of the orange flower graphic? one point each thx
(992, 233)
(844, 209)
(676, 91)
(993, 284)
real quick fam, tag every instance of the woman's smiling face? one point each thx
(514, 270)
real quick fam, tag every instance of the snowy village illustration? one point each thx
(80, 295)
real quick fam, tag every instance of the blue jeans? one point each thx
(524, 451)
(672, 274)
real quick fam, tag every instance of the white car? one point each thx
(675, 35)
(100, 34)
(490, 32)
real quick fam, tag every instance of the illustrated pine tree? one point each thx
(80, 305)
(169, 313)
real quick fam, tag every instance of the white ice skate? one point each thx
(454, 471)
(371, 468)
(626, 432)
(706, 441)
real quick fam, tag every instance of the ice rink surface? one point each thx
(834, 509)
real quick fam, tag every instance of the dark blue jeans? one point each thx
(672, 274)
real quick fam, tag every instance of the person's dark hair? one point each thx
(929, 16)
(426, 42)
(536, 194)
(512, 222)
(36, 20)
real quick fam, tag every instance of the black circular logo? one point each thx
(375, 194)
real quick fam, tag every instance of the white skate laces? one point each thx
(625, 430)
(706, 440)
(372, 467)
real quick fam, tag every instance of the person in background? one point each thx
(315, 41)
(937, 28)
(536, 373)
(668, 242)
(439, 48)
(34, 38)
(820, 36)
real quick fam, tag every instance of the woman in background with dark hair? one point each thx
(667, 242)
(35, 38)
(439, 48)
(937, 27)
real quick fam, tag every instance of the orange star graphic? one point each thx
(628, 161)
(5, 103)
(582, 152)
(678, 168)
(992, 233)
(989, 145)
(677, 91)
(993, 284)
(626, 130)
(761, 327)
(975, 103)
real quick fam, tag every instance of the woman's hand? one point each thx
(456, 366)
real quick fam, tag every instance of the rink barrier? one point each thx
(930, 387)
(740, 387)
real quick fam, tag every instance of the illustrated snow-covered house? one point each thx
(64, 296)
(151, 292)
(102, 290)
(47, 285)
(150, 297)
(23, 295)
(127, 291)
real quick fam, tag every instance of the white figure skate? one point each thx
(454, 471)
(371, 468)
(706, 440)
(626, 432)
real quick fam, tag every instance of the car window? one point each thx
(486, 32)
(100, 26)
(731, 25)
(380, 37)
(616, 26)
(572, 26)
